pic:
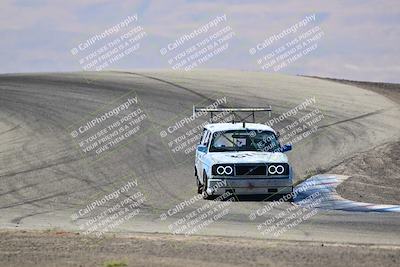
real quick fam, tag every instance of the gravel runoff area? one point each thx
(54, 248)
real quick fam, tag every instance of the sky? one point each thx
(358, 40)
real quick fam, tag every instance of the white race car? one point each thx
(242, 158)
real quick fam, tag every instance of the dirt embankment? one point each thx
(375, 174)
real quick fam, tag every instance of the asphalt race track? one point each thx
(45, 178)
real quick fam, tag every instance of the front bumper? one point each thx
(248, 186)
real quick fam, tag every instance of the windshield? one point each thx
(244, 140)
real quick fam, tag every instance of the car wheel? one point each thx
(204, 187)
(199, 186)
(289, 198)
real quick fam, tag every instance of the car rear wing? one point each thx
(234, 111)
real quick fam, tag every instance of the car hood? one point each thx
(248, 157)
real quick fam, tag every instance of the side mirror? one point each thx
(286, 148)
(202, 148)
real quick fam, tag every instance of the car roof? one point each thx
(217, 127)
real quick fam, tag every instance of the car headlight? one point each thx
(278, 169)
(222, 169)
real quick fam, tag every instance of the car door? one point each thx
(200, 155)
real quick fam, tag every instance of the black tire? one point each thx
(204, 187)
(288, 197)
(199, 186)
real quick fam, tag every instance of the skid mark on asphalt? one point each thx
(354, 118)
(170, 83)
(325, 186)
(33, 200)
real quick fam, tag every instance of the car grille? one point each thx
(251, 169)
